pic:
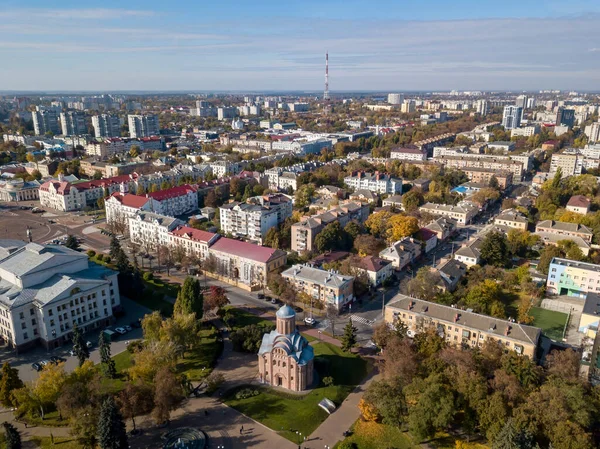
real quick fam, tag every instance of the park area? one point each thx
(292, 414)
(551, 322)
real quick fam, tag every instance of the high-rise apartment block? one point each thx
(481, 107)
(143, 125)
(512, 117)
(45, 121)
(73, 123)
(408, 107)
(395, 98)
(106, 125)
(225, 113)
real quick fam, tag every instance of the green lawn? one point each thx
(62, 443)
(287, 413)
(123, 361)
(51, 419)
(552, 323)
(372, 435)
(242, 318)
(198, 364)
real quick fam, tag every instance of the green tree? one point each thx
(412, 200)
(494, 249)
(331, 238)
(12, 436)
(111, 428)
(72, 243)
(108, 364)
(190, 298)
(272, 238)
(81, 350)
(9, 382)
(425, 284)
(388, 399)
(546, 256)
(353, 229)
(512, 438)
(482, 296)
(349, 336)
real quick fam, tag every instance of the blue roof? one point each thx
(286, 312)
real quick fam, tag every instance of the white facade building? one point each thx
(143, 125)
(395, 98)
(378, 182)
(73, 123)
(150, 230)
(511, 117)
(106, 125)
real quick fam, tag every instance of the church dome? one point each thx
(286, 312)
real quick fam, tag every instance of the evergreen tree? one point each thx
(349, 337)
(108, 364)
(72, 243)
(111, 428)
(494, 249)
(189, 298)
(9, 382)
(13, 439)
(115, 247)
(81, 350)
(512, 438)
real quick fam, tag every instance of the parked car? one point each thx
(273, 301)
(260, 296)
(89, 344)
(128, 328)
(36, 366)
(56, 359)
(120, 330)
(45, 362)
(268, 298)
(310, 321)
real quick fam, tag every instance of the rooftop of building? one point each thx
(130, 200)
(579, 201)
(246, 250)
(512, 215)
(194, 234)
(563, 226)
(575, 264)
(317, 275)
(465, 318)
(173, 192)
(373, 263)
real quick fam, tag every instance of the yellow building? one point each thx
(460, 327)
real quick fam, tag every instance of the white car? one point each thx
(310, 321)
(89, 344)
(120, 330)
(128, 328)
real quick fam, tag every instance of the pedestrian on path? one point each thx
(241, 430)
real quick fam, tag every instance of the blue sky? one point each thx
(275, 45)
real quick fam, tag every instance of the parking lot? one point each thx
(23, 361)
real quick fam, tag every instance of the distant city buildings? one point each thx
(395, 99)
(45, 121)
(378, 182)
(481, 107)
(106, 125)
(143, 125)
(511, 117)
(73, 123)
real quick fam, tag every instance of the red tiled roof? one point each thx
(172, 192)
(426, 234)
(130, 200)
(61, 187)
(245, 250)
(104, 182)
(372, 263)
(578, 201)
(194, 234)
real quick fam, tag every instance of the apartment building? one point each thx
(462, 212)
(328, 287)
(381, 183)
(143, 125)
(572, 278)
(255, 217)
(195, 241)
(565, 230)
(512, 219)
(512, 116)
(306, 230)
(225, 168)
(516, 164)
(443, 227)
(569, 164)
(120, 207)
(150, 230)
(45, 290)
(526, 131)
(376, 269)
(175, 201)
(45, 121)
(73, 123)
(485, 175)
(106, 125)
(461, 328)
(408, 154)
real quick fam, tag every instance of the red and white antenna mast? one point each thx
(326, 93)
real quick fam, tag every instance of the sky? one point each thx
(377, 45)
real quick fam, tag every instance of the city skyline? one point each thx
(269, 46)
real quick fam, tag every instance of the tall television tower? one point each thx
(326, 93)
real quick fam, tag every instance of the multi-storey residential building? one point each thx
(409, 154)
(565, 230)
(175, 201)
(255, 217)
(485, 175)
(245, 262)
(512, 219)
(45, 290)
(195, 241)
(328, 287)
(224, 113)
(382, 183)
(150, 230)
(19, 190)
(579, 204)
(106, 125)
(306, 230)
(73, 123)
(402, 252)
(572, 278)
(526, 131)
(569, 164)
(593, 132)
(462, 328)
(376, 269)
(481, 107)
(143, 125)
(45, 121)
(225, 168)
(396, 99)
(120, 207)
(512, 117)
(463, 212)
(516, 164)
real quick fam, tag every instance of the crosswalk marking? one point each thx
(360, 319)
